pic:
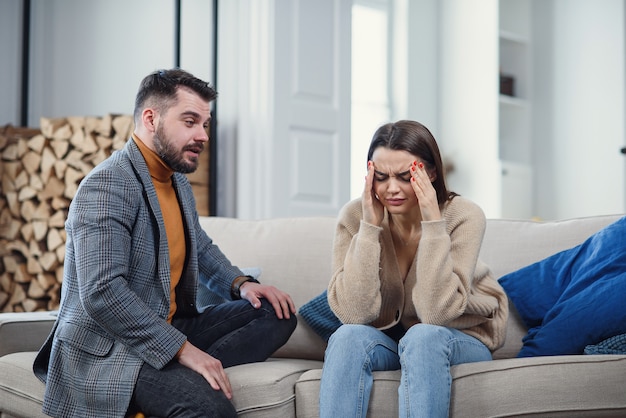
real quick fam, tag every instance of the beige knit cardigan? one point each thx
(447, 284)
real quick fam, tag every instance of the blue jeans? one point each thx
(424, 354)
(233, 332)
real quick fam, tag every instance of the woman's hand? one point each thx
(373, 210)
(421, 181)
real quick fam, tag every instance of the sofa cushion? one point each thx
(571, 386)
(575, 297)
(266, 390)
(568, 386)
(261, 390)
(383, 398)
(21, 393)
(24, 331)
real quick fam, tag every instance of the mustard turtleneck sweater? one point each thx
(161, 175)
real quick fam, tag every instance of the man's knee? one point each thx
(286, 326)
(213, 406)
(177, 391)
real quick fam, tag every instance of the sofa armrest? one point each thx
(24, 331)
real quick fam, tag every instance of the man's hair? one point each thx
(159, 89)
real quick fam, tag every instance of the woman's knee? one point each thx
(425, 335)
(350, 334)
(355, 338)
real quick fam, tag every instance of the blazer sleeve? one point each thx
(213, 269)
(216, 271)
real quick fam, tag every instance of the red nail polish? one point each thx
(421, 165)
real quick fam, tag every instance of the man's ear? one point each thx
(149, 119)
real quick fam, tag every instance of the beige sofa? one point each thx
(294, 254)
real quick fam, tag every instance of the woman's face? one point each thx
(392, 179)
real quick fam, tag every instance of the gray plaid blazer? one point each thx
(116, 289)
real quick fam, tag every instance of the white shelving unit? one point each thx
(514, 111)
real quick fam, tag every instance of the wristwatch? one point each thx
(235, 288)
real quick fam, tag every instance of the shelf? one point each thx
(512, 37)
(513, 101)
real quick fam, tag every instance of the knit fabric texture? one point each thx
(319, 316)
(613, 345)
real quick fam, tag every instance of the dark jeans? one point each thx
(233, 332)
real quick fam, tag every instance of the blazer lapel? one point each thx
(188, 209)
(141, 169)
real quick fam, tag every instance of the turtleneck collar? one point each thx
(159, 170)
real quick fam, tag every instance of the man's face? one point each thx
(183, 131)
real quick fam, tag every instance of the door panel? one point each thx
(316, 101)
(294, 112)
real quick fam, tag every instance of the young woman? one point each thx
(407, 283)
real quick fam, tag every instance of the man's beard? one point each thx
(172, 157)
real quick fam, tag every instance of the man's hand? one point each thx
(281, 301)
(209, 367)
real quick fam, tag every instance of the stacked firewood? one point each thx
(40, 173)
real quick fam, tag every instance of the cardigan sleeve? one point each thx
(354, 289)
(446, 264)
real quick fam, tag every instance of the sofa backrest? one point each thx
(512, 244)
(294, 254)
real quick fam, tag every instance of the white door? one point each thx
(289, 70)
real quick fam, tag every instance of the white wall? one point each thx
(11, 62)
(577, 100)
(423, 84)
(88, 57)
(580, 108)
(468, 111)
(111, 44)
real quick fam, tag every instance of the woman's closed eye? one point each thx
(380, 176)
(405, 176)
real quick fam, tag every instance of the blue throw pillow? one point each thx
(574, 298)
(319, 316)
